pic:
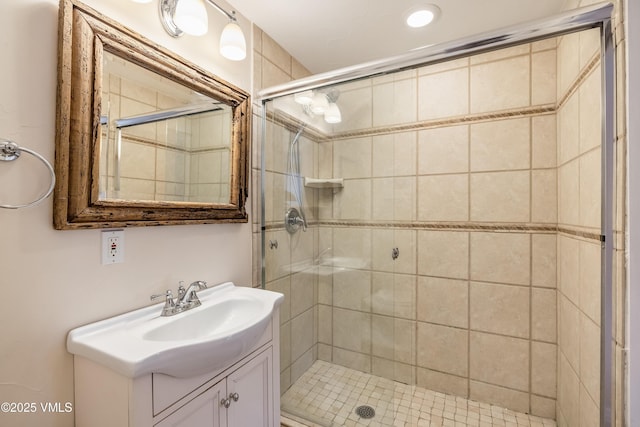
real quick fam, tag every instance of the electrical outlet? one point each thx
(112, 247)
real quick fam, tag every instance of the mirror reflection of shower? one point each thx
(317, 103)
(294, 216)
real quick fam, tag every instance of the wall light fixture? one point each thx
(190, 16)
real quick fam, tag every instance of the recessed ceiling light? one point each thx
(422, 16)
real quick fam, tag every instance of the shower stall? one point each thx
(450, 242)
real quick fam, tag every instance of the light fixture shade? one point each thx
(232, 43)
(320, 103)
(191, 17)
(332, 114)
(304, 98)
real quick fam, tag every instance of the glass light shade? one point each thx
(319, 104)
(191, 17)
(232, 43)
(304, 98)
(332, 114)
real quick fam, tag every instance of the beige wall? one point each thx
(52, 281)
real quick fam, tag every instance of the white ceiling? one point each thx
(329, 34)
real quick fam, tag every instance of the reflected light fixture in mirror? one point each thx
(190, 16)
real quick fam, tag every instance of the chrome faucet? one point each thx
(186, 299)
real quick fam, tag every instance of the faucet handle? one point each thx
(169, 298)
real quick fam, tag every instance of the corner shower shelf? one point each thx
(323, 182)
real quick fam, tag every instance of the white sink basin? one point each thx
(229, 322)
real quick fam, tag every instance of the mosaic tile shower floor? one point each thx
(327, 395)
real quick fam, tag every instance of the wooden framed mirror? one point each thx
(143, 137)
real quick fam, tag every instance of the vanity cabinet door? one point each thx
(204, 410)
(252, 385)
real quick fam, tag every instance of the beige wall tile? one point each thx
(443, 150)
(589, 43)
(543, 260)
(543, 78)
(355, 104)
(509, 52)
(569, 268)
(544, 196)
(444, 66)
(569, 193)
(347, 321)
(589, 411)
(443, 254)
(590, 111)
(277, 261)
(325, 320)
(272, 74)
(568, 393)
(393, 370)
(501, 309)
(283, 286)
(382, 336)
(543, 407)
(394, 295)
(302, 328)
(501, 258)
(590, 357)
(550, 43)
(383, 198)
(569, 338)
(394, 103)
(442, 348)
(285, 345)
(404, 349)
(352, 158)
(324, 352)
(544, 314)
(500, 85)
(589, 280)
(302, 292)
(352, 247)
(275, 53)
(352, 289)
(443, 301)
(444, 383)
(354, 200)
(352, 359)
(568, 62)
(404, 195)
(394, 154)
(590, 194)
(500, 145)
(298, 70)
(500, 196)
(443, 198)
(406, 242)
(569, 130)
(510, 399)
(444, 94)
(499, 360)
(543, 369)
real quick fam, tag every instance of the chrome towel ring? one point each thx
(10, 151)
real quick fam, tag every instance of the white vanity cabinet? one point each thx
(244, 394)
